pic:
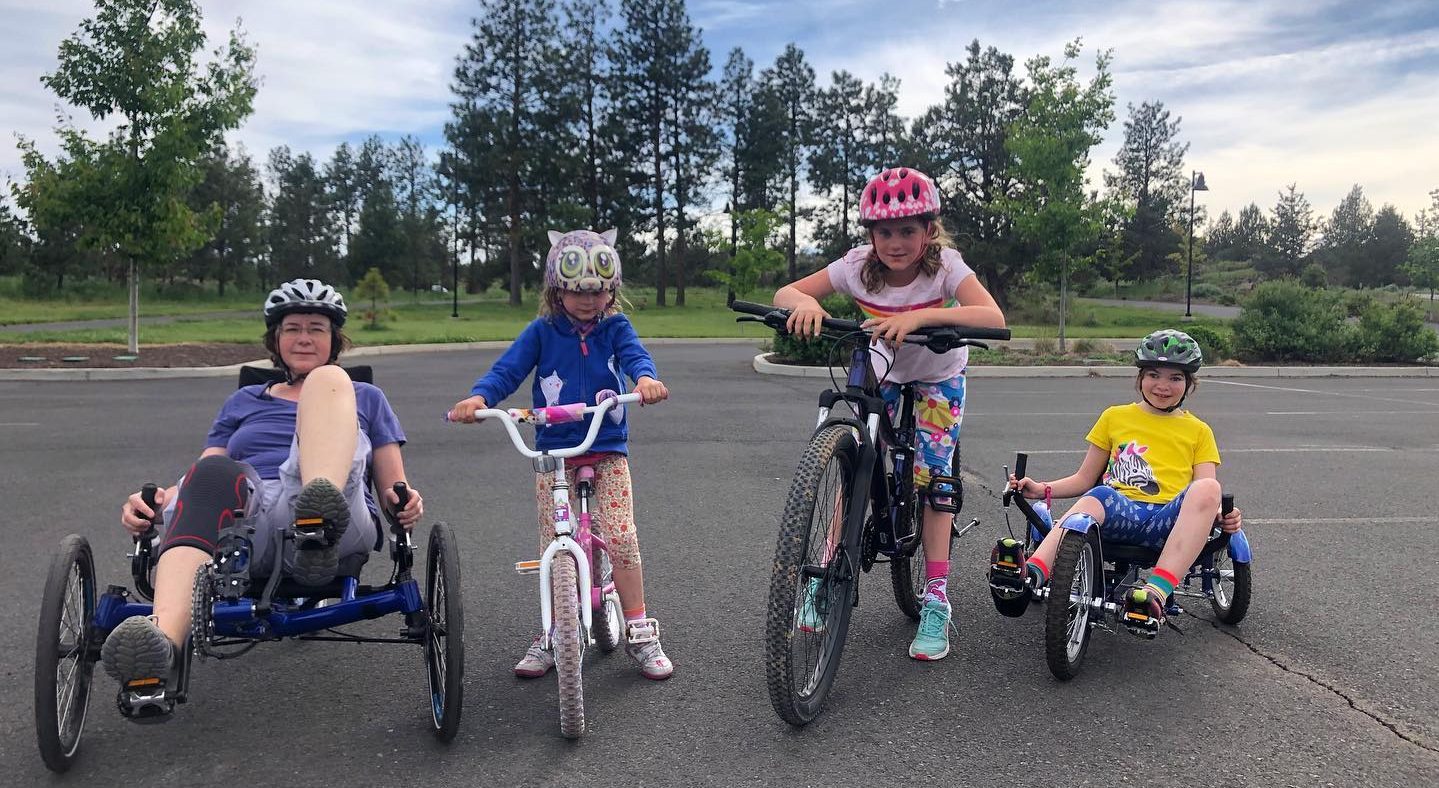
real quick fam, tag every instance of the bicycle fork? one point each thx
(564, 522)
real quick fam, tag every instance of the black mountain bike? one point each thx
(848, 510)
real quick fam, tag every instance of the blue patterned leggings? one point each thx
(1134, 522)
(938, 414)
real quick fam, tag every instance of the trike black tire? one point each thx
(568, 643)
(445, 635)
(1231, 606)
(1068, 626)
(59, 722)
(795, 702)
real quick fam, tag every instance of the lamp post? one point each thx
(1196, 184)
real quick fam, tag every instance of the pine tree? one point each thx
(790, 81)
(1151, 179)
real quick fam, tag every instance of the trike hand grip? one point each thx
(147, 494)
(1226, 503)
(402, 491)
(1020, 461)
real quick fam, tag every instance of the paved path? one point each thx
(1330, 681)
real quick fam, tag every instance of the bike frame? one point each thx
(572, 534)
(891, 499)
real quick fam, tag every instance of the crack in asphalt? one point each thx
(1392, 727)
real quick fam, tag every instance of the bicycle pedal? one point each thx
(642, 630)
(144, 701)
(528, 567)
(1140, 624)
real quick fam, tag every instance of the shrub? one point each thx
(817, 352)
(1216, 343)
(1285, 321)
(1314, 275)
(1356, 302)
(1045, 345)
(1395, 333)
(1084, 347)
(1206, 291)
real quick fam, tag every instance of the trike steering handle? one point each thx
(555, 414)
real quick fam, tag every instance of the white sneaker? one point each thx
(536, 662)
(643, 646)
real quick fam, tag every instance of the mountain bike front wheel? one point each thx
(811, 590)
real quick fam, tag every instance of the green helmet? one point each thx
(1169, 348)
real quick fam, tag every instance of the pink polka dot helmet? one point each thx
(898, 193)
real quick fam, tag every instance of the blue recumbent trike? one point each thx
(1098, 573)
(233, 612)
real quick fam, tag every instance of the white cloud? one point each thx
(1323, 94)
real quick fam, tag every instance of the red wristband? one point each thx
(1048, 493)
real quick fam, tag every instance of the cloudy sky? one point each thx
(1323, 93)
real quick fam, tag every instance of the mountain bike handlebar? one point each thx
(939, 339)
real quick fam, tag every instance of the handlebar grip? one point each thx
(1226, 503)
(147, 494)
(1020, 461)
(403, 491)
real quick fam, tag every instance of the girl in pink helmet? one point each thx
(909, 275)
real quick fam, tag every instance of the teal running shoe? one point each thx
(814, 609)
(931, 642)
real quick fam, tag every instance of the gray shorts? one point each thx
(271, 509)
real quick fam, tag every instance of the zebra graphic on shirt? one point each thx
(1128, 467)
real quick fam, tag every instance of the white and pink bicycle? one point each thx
(579, 606)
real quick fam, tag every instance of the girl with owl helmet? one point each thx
(581, 348)
(1156, 466)
(908, 276)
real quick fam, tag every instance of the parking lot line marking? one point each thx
(19, 423)
(1338, 413)
(1336, 520)
(1325, 393)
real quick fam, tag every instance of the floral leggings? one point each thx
(938, 412)
(612, 513)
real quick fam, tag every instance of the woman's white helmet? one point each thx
(305, 295)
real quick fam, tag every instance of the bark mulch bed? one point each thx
(215, 354)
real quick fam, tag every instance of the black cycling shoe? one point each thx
(1143, 613)
(321, 516)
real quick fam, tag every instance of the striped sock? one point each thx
(1161, 583)
(634, 615)
(1039, 571)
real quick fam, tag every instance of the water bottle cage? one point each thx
(944, 494)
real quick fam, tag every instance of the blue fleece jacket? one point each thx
(571, 368)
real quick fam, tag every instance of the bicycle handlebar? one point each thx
(939, 339)
(554, 414)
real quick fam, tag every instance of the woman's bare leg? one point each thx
(327, 425)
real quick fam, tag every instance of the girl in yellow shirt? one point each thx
(1157, 487)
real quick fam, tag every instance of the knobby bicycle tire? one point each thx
(568, 643)
(823, 482)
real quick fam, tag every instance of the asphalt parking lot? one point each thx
(1330, 680)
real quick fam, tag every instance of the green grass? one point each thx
(704, 315)
(91, 300)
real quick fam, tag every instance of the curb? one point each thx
(764, 366)
(230, 370)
